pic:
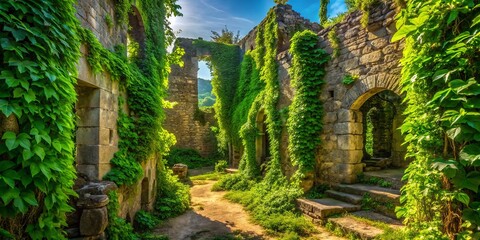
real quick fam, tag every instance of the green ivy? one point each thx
(440, 79)
(350, 79)
(39, 47)
(117, 228)
(225, 61)
(334, 41)
(306, 111)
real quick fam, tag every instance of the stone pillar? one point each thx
(349, 130)
(90, 218)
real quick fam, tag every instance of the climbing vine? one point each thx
(39, 49)
(306, 111)
(440, 78)
(225, 61)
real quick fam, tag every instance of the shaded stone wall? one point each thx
(96, 137)
(185, 120)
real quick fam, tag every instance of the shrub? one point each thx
(189, 157)
(233, 182)
(145, 221)
(221, 166)
(173, 196)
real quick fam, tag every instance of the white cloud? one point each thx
(200, 18)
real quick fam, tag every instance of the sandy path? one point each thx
(213, 216)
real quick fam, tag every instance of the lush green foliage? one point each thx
(273, 208)
(145, 221)
(349, 79)
(224, 59)
(39, 47)
(173, 197)
(306, 111)
(264, 57)
(117, 228)
(189, 157)
(334, 41)
(248, 87)
(440, 79)
(226, 36)
(322, 13)
(221, 166)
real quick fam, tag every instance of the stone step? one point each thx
(382, 199)
(345, 197)
(380, 194)
(377, 217)
(393, 176)
(322, 208)
(360, 229)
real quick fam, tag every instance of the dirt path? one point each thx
(213, 216)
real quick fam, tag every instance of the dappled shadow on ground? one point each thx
(193, 226)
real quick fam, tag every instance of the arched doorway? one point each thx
(381, 138)
(262, 141)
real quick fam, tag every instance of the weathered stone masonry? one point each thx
(185, 120)
(97, 110)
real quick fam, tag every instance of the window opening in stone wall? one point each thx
(263, 141)
(206, 99)
(379, 113)
(135, 36)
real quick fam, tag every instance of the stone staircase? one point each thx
(355, 209)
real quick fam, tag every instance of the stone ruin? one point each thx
(374, 98)
(365, 52)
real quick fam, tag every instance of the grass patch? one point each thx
(274, 211)
(211, 176)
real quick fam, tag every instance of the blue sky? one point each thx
(200, 17)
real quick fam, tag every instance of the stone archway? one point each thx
(349, 126)
(136, 35)
(262, 144)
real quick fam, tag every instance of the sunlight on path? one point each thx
(213, 216)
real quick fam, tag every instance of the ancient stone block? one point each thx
(348, 128)
(88, 201)
(90, 171)
(181, 170)
(350, 142)
(371, 57)
(97, 188)
(348, 156)
(93, 221)
(330, 117)
(345, 115)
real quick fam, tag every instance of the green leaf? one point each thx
(471, 154)
(10, 194)
(57, 145)
(27, 154)
(30, 198)
(5, 165)
(18, 202)
(403, 32)
(463, 198)
(34, 169)
(39, 151)
(9, 135)
(453, 15)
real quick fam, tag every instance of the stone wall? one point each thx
(369, 54)
(97, 111)
(366, 52)
(185, 120)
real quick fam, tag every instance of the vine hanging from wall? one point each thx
(306, 111)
